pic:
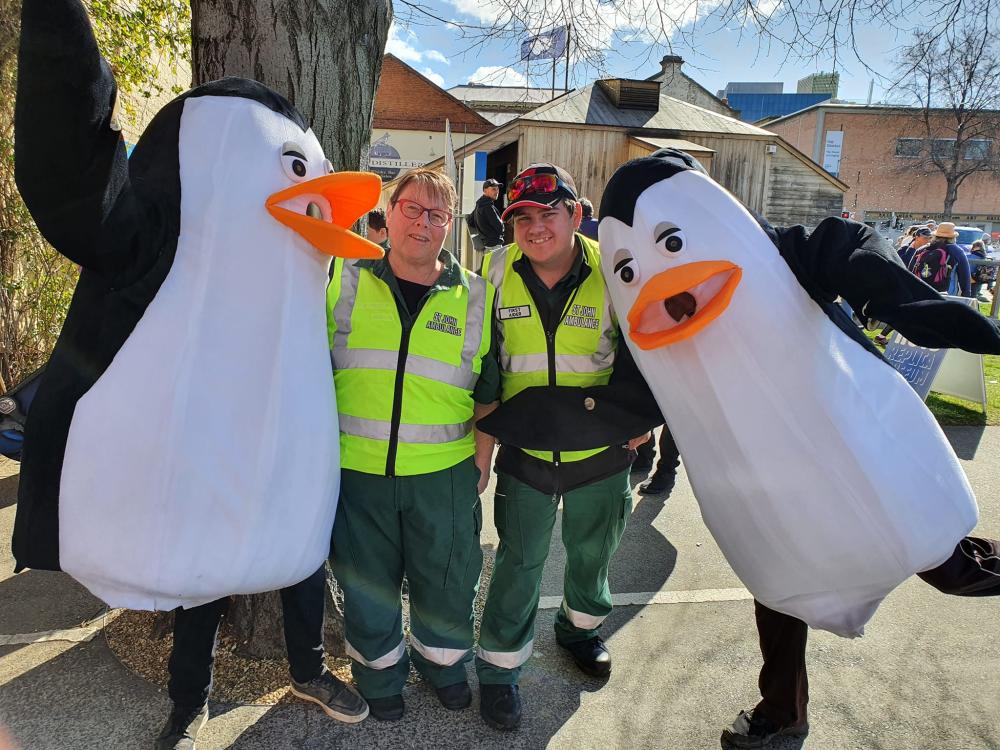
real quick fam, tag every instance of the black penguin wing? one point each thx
(70, 163)
(570, 418)
(849, 259)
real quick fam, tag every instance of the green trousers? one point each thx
(593, 522)
(426, 527)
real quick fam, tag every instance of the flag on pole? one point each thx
(449, 155)
(545, 46)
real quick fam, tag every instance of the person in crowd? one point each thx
(904, 239)
(377, 231)
(193, 654)
(921, 238)
(588, 224)
(936, 262)
(414, 365)
(554, 328)
(981, 275)
(487, 218)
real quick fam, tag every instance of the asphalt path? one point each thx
(925, 675)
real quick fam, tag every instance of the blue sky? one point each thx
(719, 56)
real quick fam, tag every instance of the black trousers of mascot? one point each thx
(972, 570)
(196, 629)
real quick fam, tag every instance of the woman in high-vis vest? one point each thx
(555, 326)
(414, 366)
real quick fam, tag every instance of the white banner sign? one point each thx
(831, 151)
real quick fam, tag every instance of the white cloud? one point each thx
(396, 45)
(433, 54)
(436, 77)
(494, 75)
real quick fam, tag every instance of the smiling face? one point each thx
(417, 240)
(667, 271)
(545, 235)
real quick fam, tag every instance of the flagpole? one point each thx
(553, 78)
(569, 41)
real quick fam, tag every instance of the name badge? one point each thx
(510, 313)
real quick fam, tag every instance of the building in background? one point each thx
(409, 124)
(501, 104)
(751, 87)
(759, 102)
(876, 150)
(819, 83)
(678, 84)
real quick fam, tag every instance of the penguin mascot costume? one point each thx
(183, 444)
(819, 470)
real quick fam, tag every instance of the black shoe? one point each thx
(500, 706)
(390, 708)
(591, 656)
(751, 731)
(338, 700)
(182, 727)
(658, 484)
(455, 697)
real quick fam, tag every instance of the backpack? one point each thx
(931, 265)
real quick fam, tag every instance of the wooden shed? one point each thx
(592, 131)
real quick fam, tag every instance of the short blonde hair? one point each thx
(436, 183)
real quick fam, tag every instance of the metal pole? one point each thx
(569, 40)
(553, 79)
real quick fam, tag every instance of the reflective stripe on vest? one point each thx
(585, 339)
(445, 348)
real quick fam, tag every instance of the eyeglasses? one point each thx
(536, 183)
(413, 210)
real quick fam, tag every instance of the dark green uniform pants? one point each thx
(593, 522)
(425, 526)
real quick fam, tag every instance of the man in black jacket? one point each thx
(488, 218)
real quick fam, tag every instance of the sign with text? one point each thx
(950, 371)
(831, 151)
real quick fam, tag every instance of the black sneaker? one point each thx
(390, 708)
(591, 656)
(337, 700)
(657, 485)
(750, 731)
(455, 697)
(500, 706)
(182, 727)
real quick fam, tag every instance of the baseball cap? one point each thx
(492, 183)
(539, 185)
(922, 232)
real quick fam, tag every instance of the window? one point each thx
(976, 150)
(909, 147)
(943, 148)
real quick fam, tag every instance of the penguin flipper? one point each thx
(70, 164)
(849, 259)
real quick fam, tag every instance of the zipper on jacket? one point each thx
(550, 348)
(397, 400)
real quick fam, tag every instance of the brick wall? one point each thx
(405, 100)
(878, 179)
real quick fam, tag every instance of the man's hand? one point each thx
(637, 441)
(484, 446)
(484, 464)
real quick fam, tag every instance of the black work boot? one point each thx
(455, 697)
(591, 656)
(500, 706)
(659, 484)
(389, 708)
(182, 727)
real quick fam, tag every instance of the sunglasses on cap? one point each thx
(536, 183)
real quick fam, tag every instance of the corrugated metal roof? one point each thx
(502, 94)
(590, 106)
(674, 143)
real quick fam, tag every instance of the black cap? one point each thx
(543, 200)
(492, 183)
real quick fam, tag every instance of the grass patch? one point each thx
(949, 410)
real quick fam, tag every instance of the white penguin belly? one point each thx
(822, 476)
(205, 461)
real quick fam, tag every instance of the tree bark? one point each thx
(950, 197)
(325, 56)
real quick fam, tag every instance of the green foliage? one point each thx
(142, 40)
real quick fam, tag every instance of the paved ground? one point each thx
(927, 674)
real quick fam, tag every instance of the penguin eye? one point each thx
(626, 268)
(294, 162)
(668, 237)
(328, 167)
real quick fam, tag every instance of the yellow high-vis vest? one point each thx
(581, 351)
(404, 396)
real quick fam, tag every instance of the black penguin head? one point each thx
(631, 179)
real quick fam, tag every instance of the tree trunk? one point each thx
(950, 196)
(325, 56)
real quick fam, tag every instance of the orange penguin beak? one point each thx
(323, 209)
(677, 304)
